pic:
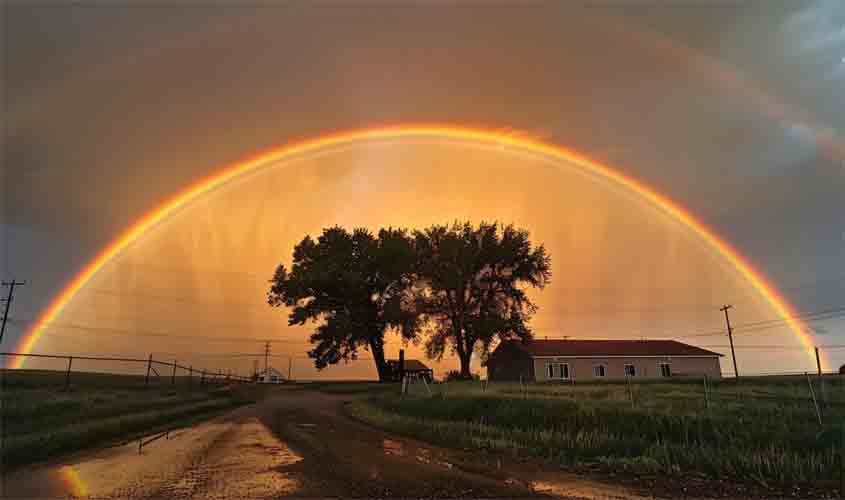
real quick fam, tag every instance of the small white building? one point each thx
(270, 376)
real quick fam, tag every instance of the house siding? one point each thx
(647, 367)
(509, 363)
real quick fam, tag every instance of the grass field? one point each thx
(43, 419)
(764, 430)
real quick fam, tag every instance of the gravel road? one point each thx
(295, 444)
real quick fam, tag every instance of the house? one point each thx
(413, 368)
(270, 376)
(548, 360)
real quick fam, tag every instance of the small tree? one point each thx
(842, 370)
(474, 286)
(356, 286)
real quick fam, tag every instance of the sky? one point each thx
(732, 109)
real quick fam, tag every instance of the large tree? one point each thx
(475, 282)
(354, 286)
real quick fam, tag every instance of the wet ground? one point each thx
(297, 444)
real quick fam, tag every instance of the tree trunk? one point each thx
(377, 348)
(465, 358)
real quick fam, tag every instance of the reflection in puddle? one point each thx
(424, 456)
(73, 483)
(211, 461)
(392, 447)
(63, 481)
(573, 487)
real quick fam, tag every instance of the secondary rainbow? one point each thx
(477, 135)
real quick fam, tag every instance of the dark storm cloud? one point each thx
(113, 108)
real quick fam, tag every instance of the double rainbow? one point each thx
(476, 135)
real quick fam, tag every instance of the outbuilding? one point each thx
(270, 376)
(411, 367)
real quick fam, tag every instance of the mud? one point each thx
(297, 444)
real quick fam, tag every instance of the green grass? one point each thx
(43, 419)
(763, 430)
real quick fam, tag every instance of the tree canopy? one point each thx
(474, 282)
(355, 286)
(467, 286)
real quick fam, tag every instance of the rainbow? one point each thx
(343, 139)
(72, 483)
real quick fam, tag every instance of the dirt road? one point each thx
(296, 444)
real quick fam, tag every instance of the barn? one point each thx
(550, 360)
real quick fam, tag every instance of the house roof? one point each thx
(612, 348)
(412, 364)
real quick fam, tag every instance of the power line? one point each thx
(775, 323)
(756, 329)
(139, 333)
(802, 316)
(146, 263)
(180, 298)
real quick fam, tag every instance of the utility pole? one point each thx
(266, 359)
(11, 284)
(730, 336)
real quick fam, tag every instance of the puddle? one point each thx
(59, 482)
(569, 487)
(213, 461)
(392, 447)
(424, 456)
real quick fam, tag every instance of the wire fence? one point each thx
(821, 395)
(155, 372)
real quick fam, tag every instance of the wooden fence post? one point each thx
(813, 395)
(842, 462)
(630, 390)
(190, 376)
(202, 377)
(149, 365)
(706, 393)
(67, 374)
(426, 386)
(173, 375)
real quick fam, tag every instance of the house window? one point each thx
(558, 370)
(630, 370)
(665, 370)
(564, 370)
(599, 371)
